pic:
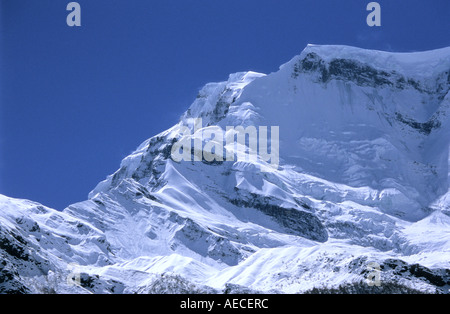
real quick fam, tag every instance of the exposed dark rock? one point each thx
(437, 277)
(365, 75)
(296, 221)
(14, 245)
(424, 128)
(364, 288)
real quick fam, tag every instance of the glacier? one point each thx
(363, 178)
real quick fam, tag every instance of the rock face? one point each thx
(362, 188)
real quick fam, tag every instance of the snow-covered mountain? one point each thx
(361, 190)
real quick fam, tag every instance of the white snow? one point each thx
(358, 162)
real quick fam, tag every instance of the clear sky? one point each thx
(74, 101)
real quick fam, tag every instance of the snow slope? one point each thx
(363, 179)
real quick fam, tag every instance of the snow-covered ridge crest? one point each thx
(422, 64)
(214, 99)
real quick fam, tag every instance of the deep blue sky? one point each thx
(75, 101)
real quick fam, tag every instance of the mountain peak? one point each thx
(422, 63)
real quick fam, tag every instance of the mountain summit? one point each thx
(361, 186)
